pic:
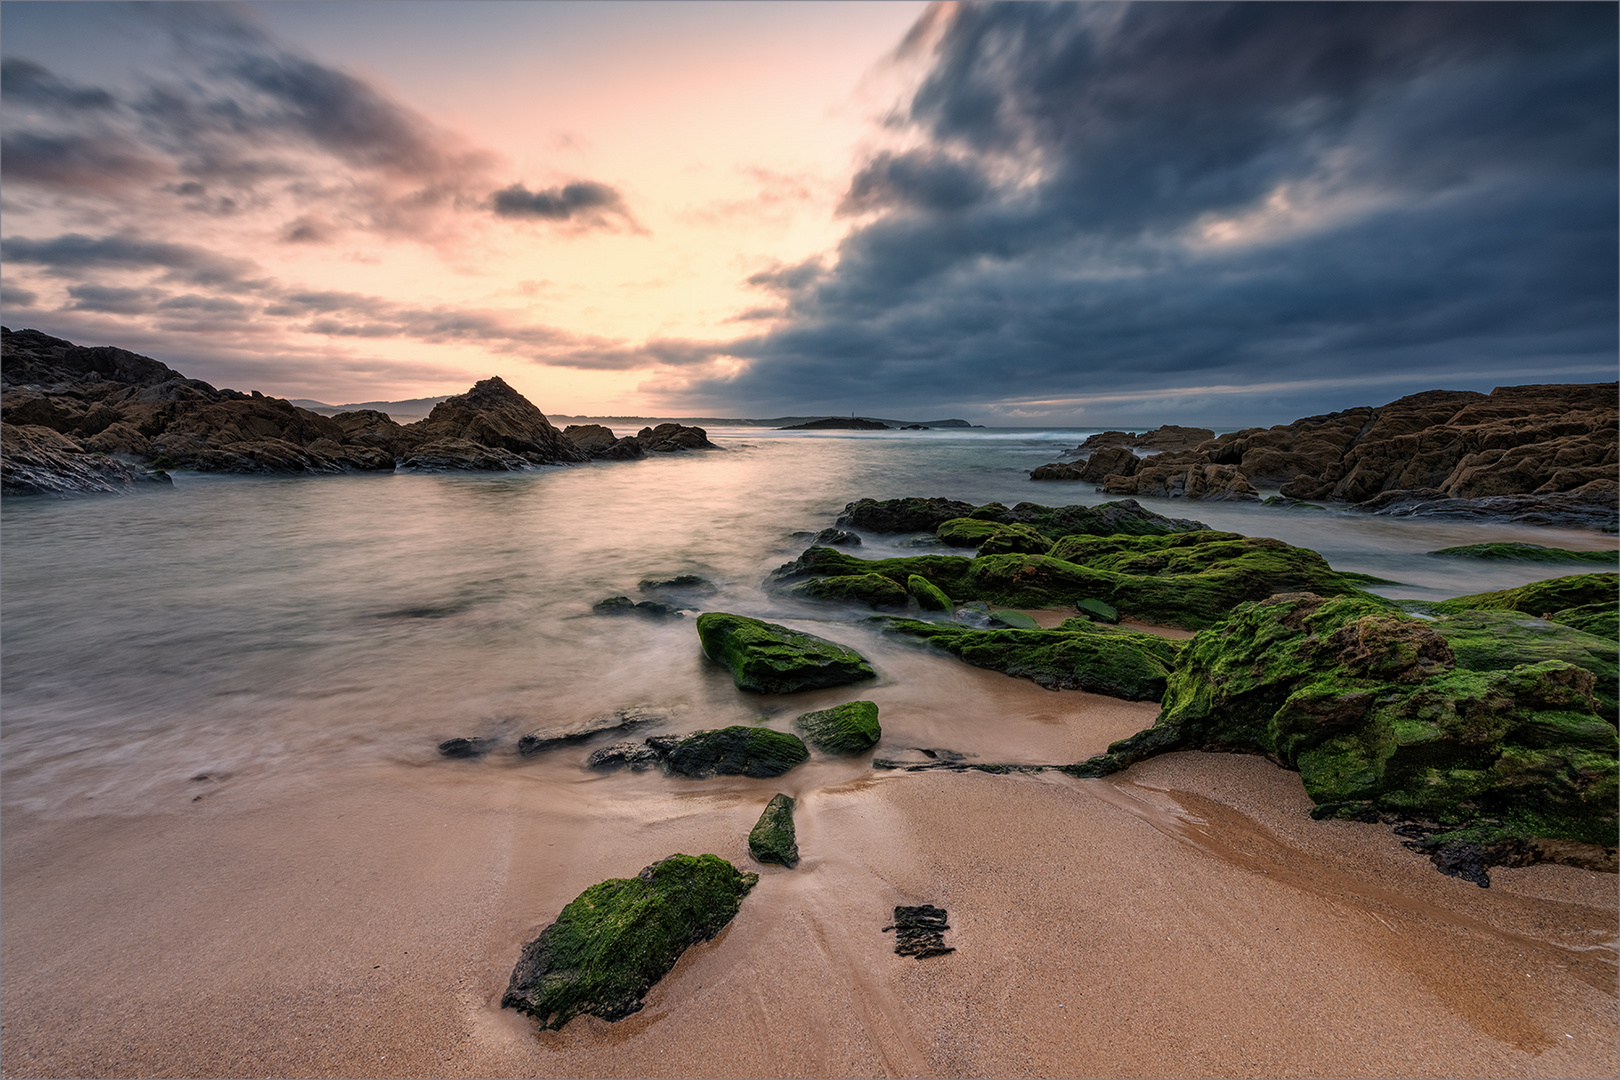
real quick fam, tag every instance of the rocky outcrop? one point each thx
(105, 419)
(1167, 438)
(770, 659)
(1552, 447)
(732, 751)
(618, 938)
(1381, 717)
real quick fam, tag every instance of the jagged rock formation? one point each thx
(1547, 451)
(102, 419)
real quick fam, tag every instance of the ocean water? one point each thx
(276, 631)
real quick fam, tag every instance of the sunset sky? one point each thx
(1018, 214)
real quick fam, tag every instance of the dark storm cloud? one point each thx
(112, 299)
(581, 200)
(98, 164)
(1113, 197)
(22, 81)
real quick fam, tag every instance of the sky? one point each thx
(1020, 214)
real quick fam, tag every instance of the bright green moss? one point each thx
(1516, 552)
(1486, 640)
(771, 659)
(850, 728)
(1541, 598)
(617, 938)
(873, 590)
(1600, 620)
(1015, 540)
(966, 532)
(928, 597)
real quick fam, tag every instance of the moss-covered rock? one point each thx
(1012, 620)
(850, 728)
(1499, 640)
(1015, 540)
(1373, 710)
(618, 938)
(927, 595)
(1122, 517)
(1118, 663)
(732, 751)
(944, 571)
(873, 590)
(1541, 598)
(1601, 620)
(966, 532)
(1096, 609)
(773, 838)
(911, 514)
(771, 659)
(1517, 552)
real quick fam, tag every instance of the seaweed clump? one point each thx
(619, 937)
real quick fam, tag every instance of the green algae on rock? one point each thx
(926, 515)
(619, 937)
(1485, 640)
(1096, 609)
(772, 838)
(1012, 620)
(926, 593)
(731, 751)
(1118, 663)
(966, 532)
(1540, 598)
(1015, 540)
(873, 590)
(1372, 709)
(850, 728)
(1602, 620)
(1519, 552)
(771, 659)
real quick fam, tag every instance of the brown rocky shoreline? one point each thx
(102, 419)
(1543, 454)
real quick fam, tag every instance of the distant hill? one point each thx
(416, 408)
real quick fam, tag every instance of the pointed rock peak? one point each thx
(486, 394)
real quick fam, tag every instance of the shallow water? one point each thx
(269, 630)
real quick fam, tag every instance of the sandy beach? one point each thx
(1183, 918)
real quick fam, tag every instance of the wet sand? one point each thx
(1184, 918)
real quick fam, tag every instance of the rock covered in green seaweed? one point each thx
(926, 593)
(873, 590)
(773, 838)
(1370, 707)
(1600, 620)
(771, 659)
(1540, 598)
(926, 515)
(1078, 656)
(850, 728)
(1486, 640)
(618, 938)
(1517, 552)
(731, 751)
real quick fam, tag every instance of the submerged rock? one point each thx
(623, 605)
(850, 728)
(638, 757)
(615, 940)
(770, 659)
(772, 839)
(1517, 552)
(688, 583)
(548, 738)
(463, 747)
(1097, 659)
(1373, 710)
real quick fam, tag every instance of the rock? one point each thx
(901, 515)
(770, 659)
(919, 931)
(495, 416)
(1497, 640)
(600, 442)
(1517, 552)
(35, 460)
(836, 538)
(1118, 663)
(1123, 516)
(688, 583)
(850, 728)
(672, 438)
(1374, 711)
(1096, 609)
(1060, 470)
(462, 455)
(1007, 618)
(732, 751)
(636, 756)
(1541, 598)
(618, 938)
(1168, 437)
(1601, 620)
(873, 590)
(966, 532)
(466, 748)
(927, 595)
(552, 736)
(623, 605)
(1015, 539)
(1592, 506)
(772, 839)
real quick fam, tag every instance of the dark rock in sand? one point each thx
(919, 931)
(771, 659)
(638, 757)
(773, 839)
(618, 938)
(550, 737)
(850, 728)
(732, 751)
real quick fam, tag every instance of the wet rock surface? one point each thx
(850, 728)
(732, 751)
(615, 940)
(773, 839)
(769, 658)
(623, 605)
(920, 931)
(552, 736)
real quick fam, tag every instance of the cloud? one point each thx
(73, 253)
(25, 82)
(582, 200)
(1089, 199)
